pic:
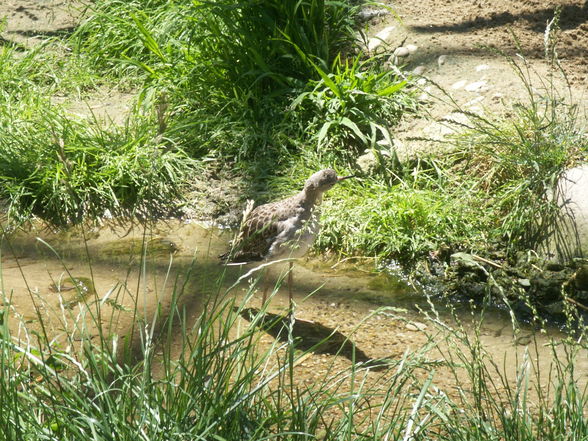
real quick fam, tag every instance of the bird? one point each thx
(283, 229)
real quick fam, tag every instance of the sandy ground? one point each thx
(30, 21)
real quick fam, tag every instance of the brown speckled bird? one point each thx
(284, 229)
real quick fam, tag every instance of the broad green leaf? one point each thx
(350, 124)
(392, 89)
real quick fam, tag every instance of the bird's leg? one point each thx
(266, 285)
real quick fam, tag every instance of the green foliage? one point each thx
(46, 68)
(129, 39)
(494, 190)
(352, 108)
(264, 47)
(65, 170)
(515, 161)
(236, 47)
(401, 221)
(232, 69)
(78, 170)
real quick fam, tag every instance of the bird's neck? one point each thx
(310, 199)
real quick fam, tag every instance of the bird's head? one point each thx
(323, 180)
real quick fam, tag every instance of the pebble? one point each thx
(367, 162)
(477, 86)
(442, 60)
(416, 326)
(581, 278)
(419, 70)
(475, 101)
(369, 13)
(497, 97)
(523, 340)
(412, 48)
(554, 266)
(459, 84)
(555, 308)
(482, 67)
(401, 52)
(524, 282)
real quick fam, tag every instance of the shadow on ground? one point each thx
(312, 337)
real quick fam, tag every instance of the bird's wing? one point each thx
(257, 233)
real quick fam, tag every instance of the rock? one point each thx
(555, 308)
(464, 260)
(581, 278)
(369, 14)
(459, 118)
(437, 131)
(412, 48)
(459, 84)
(381, 38)
(416, 326)
(526, 283)
(401, 52)
(524, 340)
(554, 266)
(569, 235)
(475, 101)
(522, 310)
(367, 162)
(442, 60)
(419, 70)
(546, 290)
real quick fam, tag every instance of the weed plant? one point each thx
(351, 109)
(515, 162)
(210, 376)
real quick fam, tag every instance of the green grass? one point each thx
(244, 83)
(67, 171)
(236, 73)
(382, 221)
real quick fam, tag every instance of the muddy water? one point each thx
(61, 277)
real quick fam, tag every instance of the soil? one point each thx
(461, 28)
(450, 28)
(28, 22)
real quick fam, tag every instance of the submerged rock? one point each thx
(464, 260)
(416, 326)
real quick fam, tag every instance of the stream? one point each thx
(60, 276)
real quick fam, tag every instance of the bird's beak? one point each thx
(342, 178)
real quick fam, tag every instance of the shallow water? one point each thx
(132, 273)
